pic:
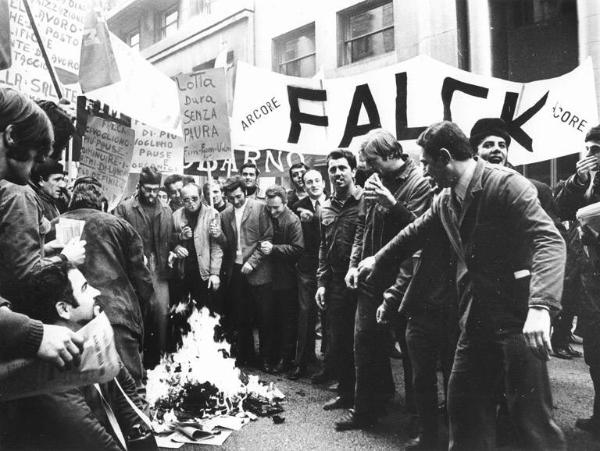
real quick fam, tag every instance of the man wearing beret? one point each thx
(490, 140)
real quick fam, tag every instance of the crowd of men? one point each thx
(459, 260)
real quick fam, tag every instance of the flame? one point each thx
(202, 359)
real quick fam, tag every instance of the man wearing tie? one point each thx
(308, 209)
(510, 266)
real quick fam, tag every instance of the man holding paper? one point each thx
(578, 197)
(90, 417)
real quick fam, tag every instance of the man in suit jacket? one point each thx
(287, 246)
(248, 271)
(308, 210)
(509, 276)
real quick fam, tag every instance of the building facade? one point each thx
(518, 40)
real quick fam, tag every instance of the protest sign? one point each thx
(204, 120)
(100, 363)
(546, 119)
(106, 153)
(152, 146)
(5, 51)
(60, 24)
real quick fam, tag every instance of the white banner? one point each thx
(546, 119)
(153, 146)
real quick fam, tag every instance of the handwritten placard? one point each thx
(203, 103)
(153, 146)
(106, 154)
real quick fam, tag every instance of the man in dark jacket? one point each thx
(583, 273)
(285, 249)
(308, 209)
(246, 226)
(76, 418)
(297, 192)
(114, 264)
(509, 274)
(154, 223)
(395, 195)
(339, 219)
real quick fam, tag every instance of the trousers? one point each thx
(374, 380)
(430, 337)
(341, 309)
(480, 365)
(307, 318)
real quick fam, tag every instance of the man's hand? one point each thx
(584, 166)
(266, 247)
(53, 246)
(187, 233)
(60, 346)
(214, 282)
(383, 314)
(75, 251)
(305, 215)
(365, 268)
(247, 268)
(180, 251)
(320, 298)
(375, 191)
(351, 278)
(537, 332)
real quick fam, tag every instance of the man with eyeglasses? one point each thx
(154, 223)
(582, 271)
(197, 226)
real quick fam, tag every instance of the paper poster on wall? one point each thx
(204, 120)
(106, 153)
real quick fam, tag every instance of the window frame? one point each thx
(130, 35)
(344, 32)
(280, 41)
(163, 26)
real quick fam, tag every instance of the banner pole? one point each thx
(43, 50)
(210, 180)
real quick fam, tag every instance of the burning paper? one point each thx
(201, 381)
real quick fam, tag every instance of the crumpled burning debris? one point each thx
(200, 381)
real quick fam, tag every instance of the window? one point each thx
(168, 22)
(366, 32)
(134, 39)
(294, 53)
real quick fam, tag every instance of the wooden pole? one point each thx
(210, 180)
(43, 50)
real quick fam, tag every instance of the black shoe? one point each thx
(572, 352)
(320, 378)
(352, 420)
(589, 425)
(282, 366)
(338, 402)
(296, 373)
(419, 444)
(561, 353)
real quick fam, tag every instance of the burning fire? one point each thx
(199, 379)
